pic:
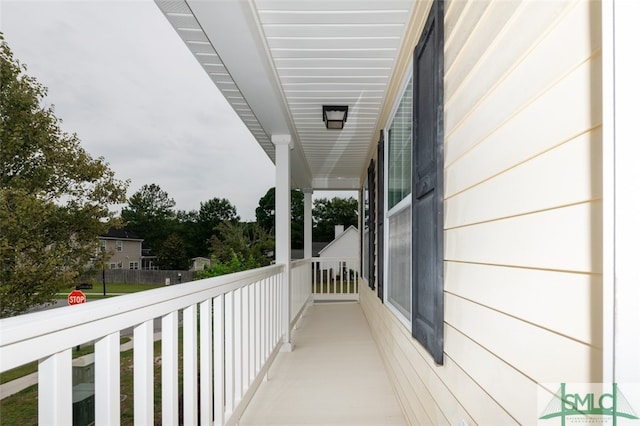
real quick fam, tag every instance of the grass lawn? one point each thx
(96, 291)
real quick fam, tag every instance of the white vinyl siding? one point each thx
(523, 216)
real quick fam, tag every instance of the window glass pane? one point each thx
(399, 288)
(400, 135)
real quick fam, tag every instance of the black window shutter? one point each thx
(380, 220)
(371, 177)
(427, 194)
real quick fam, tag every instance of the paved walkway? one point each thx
(334, 376)
(17, 385)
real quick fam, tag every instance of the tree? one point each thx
(149, 213)
(328, 213)
(172, 254)
(211, 214)
(266, 215)
(54, 197)
(238, 246)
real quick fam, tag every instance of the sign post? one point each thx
(76, 297)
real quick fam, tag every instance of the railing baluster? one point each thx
(270, 315)
(190, 364)
(143, 374)
(219, 387)
(55, 389)
(229, 344)
(206, 363)
(107, 376)
(252, 333)
(244, 321)
(170, 391)
(237, 347)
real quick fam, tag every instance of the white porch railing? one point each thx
(335, 278)
(233, 323)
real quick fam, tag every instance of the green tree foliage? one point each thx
(54, 197)
(328, 213)
(237, 247)
(172, 254)
(150, 214)
(211, 214)
(266, 215)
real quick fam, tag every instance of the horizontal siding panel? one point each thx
(412, 401)
(534, 130)
(422, 367)
(489, 28)
(529, 22)
(572, 302)
(443, 382)
(508, 387)
(532, 350)
(455, 40)
(568, 174)
(564, 239)
(564, 48)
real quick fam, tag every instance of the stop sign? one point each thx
(76, 297)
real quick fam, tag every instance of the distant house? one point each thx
(125, 247)
(199, 263)
(344, 245)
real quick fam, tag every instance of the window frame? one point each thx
(400, 206)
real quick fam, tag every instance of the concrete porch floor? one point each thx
(334, 376)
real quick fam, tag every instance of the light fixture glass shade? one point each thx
(334, 117)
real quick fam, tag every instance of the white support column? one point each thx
(283, 227)
(308, 223)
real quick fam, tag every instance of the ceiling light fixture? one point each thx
(334, 116)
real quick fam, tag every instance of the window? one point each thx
(133, 265)
(398, 211)
(112, 266)
(103, 246)
(118, 245)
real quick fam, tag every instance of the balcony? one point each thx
(235, 362)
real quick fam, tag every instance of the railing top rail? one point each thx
(336, 259)
(78, 324)
(300, 262)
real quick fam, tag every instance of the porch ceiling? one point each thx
(278, 61)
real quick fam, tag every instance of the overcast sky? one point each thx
(120, 78)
